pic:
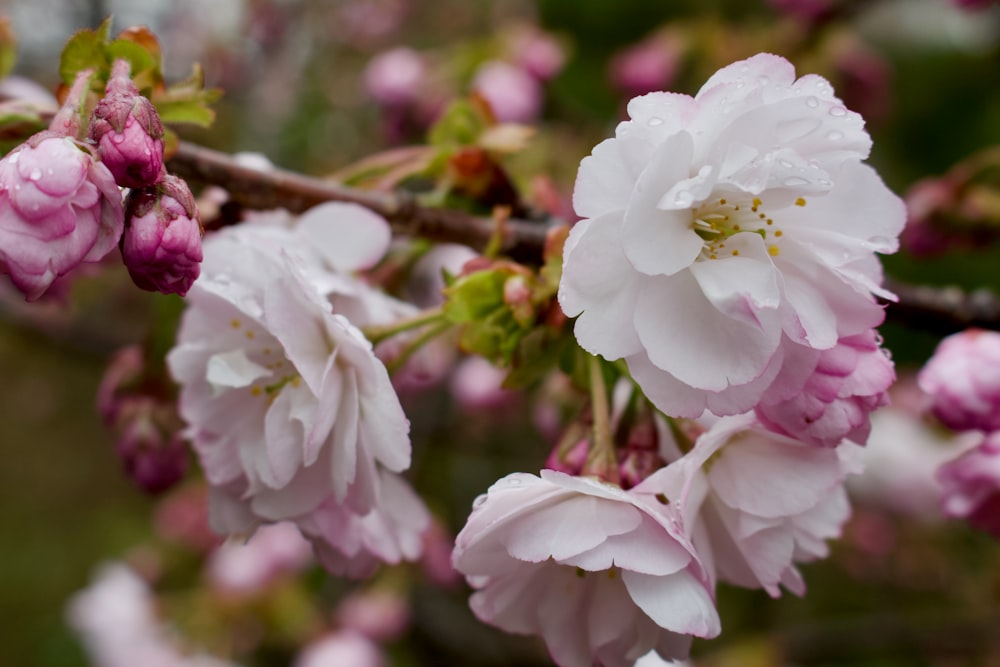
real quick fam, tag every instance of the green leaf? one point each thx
(84, 50)
(186, 111)
(139, 59)
(461, 125)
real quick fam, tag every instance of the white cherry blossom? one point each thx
(727, 237)
(602, 575)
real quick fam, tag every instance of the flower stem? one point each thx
(601, 460)
(408, 351)
(378, 333)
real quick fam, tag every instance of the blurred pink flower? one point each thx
(341, 649)
(476, 384)
(395, 77)
(381, 615)
(537, 53)
(247, 568)
(714, 252)
(644, 67)
(514, 95)
(602, 575)
(963, 380)
(972, 485)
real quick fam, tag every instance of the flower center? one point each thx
(718, 220)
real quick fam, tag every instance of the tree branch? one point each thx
(933, 309)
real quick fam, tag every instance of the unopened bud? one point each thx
(161, 245)
(128, 132)
(149, 445)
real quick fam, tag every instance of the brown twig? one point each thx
(933, 309)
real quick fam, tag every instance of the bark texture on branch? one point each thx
(934, 309)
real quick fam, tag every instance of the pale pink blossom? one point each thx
(344, 648)
(728, 238)
(769, 501)
(537, 53)
(248, 567)
(290, 411)
(601, 574)
(963, 380)
(59, 207)
(972, 485)
(850, 381)
(514, 95)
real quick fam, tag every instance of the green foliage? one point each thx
(8, 47)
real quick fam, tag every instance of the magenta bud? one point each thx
(161, 245)
(150, 446)
(128, 132)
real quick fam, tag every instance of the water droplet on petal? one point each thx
(50, 171)
(812, 102)
(514, 481)
(785, 163)
(478, 502)
(835, 135)
(764, 80)
(838, 111)
(14, 158)
(35, 174)
(117, 138)
(823, 183)
(655, 120)
(795, 180)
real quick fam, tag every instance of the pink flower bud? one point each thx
(128, 132)
(514, 95)
(478, 385)
(972, 485)
(538, 54)
(850, 381)
(149, 445)
(162, 242)
(641, 455)
(963, 380)
(395, 78)
(58, 207)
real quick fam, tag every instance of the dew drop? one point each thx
(835, 135)
(838, 111)
(795, 180)
(50, 171)
(34, 208)
(117, 138)
(14, 158)
(812, 102)
(514, 481)
(683, 198)
(823, 183)
(478, 502)
(764, 80)
(35, 174)
(655, 120)
(785, 163)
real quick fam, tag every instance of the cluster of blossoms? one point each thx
(61, 200)
(963, 381)
(727, 254)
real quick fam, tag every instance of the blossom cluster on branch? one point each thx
(710, 322)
